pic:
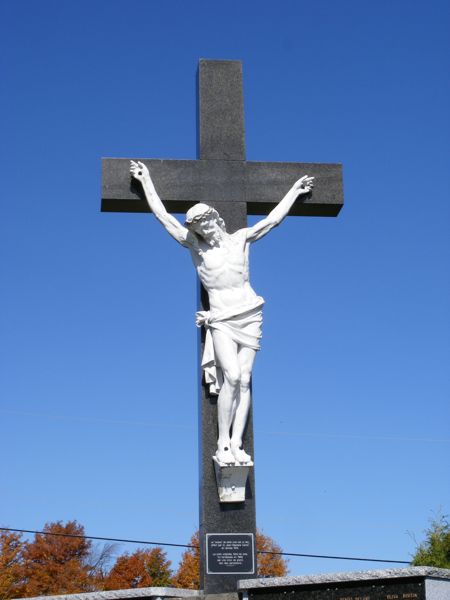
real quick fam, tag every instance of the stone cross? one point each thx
(222, 178)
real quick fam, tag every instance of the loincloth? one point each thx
(242, 324)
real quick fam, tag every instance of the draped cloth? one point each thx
(241, 323)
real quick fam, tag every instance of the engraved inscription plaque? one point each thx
(230, 554)
(382, 590)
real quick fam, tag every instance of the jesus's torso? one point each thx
(223, 270)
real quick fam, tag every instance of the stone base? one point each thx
(412, 583)
(148, 593)
(229, 596)
(231, 481)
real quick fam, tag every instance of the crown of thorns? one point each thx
(198, 211)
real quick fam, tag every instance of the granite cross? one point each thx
(222, 178)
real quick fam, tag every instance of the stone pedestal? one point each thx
(231, 481)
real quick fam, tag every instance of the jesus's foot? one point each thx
(240, 454)
(224, 455)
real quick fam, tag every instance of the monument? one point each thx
(216, 192)
(411, 583)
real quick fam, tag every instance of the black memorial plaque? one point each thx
(230, 554)
(371, 590)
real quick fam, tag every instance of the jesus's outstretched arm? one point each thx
(274, 218)
(140, 172)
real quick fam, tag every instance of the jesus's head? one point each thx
(205, 221)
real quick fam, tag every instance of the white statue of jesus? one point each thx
(233, 322)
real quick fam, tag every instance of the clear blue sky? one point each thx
(98, 343)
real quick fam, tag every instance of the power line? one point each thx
(126, 541)
(169, 425)
(98, 538)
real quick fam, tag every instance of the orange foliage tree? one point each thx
(11, 565)
(188, 574)
(143, 568)
(269, 565)
(60, 564)
(55, 564)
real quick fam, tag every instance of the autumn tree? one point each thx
(11, 565)
(188, 574)
(273, 565)
(270, 561)
(435, 550)
(58, 564)
(143, 568)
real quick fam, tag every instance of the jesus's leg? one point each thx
(246, 357)
(226, 353)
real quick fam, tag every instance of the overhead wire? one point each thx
(145, 542)
(170, 425)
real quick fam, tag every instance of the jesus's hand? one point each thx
(303, 185)
(139, 171)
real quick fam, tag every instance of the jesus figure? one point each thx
(233, 322)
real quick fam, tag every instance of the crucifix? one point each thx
(218, 191)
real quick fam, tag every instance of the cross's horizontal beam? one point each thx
(182, 183)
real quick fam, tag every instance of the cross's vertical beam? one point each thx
(221, 137)
(221, 110)
(221, 127)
